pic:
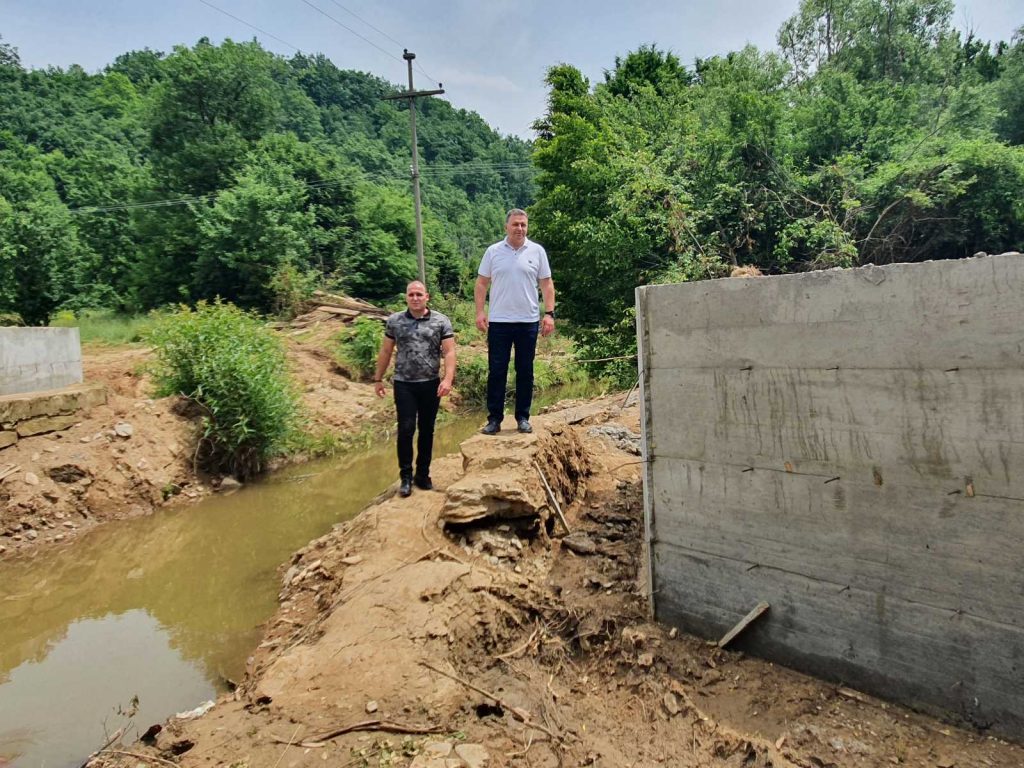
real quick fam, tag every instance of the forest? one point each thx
(227, 171)
(875, 132)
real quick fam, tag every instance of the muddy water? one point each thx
(163, 609)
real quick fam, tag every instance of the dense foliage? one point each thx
(876, 133)
(234, 369)
(224, 170)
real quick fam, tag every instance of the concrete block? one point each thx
(43, 424)
(15, 408)
(846, 445)
(37, 359)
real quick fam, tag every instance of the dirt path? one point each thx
(460, 627)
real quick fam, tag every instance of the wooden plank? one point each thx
(756, 612)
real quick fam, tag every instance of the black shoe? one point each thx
(492, 427)
(405, 487)
(423, 483)
(524, 426)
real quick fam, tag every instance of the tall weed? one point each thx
(234, 368)
(358, 347)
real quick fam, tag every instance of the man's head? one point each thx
(516, 225)
(416, 297)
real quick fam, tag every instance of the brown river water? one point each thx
(164, 608)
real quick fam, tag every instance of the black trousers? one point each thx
(501, 339)
(416, 403)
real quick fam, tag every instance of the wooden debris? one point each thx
(551, 495)
(364, 725)
(519, 714)
(729, 636)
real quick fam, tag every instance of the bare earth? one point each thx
(461, 626)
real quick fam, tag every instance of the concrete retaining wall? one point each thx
(37, 359)
(847, 446)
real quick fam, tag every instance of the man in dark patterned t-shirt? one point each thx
(422, 338)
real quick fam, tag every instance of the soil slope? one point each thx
(462, 627)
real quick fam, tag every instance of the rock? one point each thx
(8, 437)
(124, 429)
(58, 537)
(228, 484)
(579, 543)
(42, 424)
(31, 479)
(473, 755)
(645, 659)
(353, 560)
(143, 464)
(371, 706)
(438, 749)
(31, 535)
(671, 704)
(978, 254)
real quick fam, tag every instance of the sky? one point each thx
(490, 55)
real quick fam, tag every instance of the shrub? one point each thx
(359, 345)
(471, 379)
(232, 366)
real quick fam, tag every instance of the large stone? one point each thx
(43, 424)
(499, 495)
(15, 408)
(8, 437)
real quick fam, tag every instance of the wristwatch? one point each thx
(550, 312)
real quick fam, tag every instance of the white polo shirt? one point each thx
(514, 274)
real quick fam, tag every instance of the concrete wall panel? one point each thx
(849, 447)
(38, 359)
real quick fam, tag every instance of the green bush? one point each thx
(234, 368)
(471, 377)
(462, 313)
(359, 346)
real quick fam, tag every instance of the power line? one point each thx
(358, 174)
(382, 33)
(252, 26)
(345, 26)
(375, 29)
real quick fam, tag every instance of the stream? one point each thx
(162, 610)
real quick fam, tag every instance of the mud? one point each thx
(464, 627)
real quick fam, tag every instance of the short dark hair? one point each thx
(515, 212)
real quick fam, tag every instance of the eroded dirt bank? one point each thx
(134, 453)
(460, 627)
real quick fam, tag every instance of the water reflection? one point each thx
(164, 607)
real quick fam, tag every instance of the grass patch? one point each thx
(358, 346)
(106, 327)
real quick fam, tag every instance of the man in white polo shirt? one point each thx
(512, 270)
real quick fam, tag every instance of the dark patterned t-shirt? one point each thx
(419, 344)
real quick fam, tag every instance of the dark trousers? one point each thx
(416, 403)
(501, 339)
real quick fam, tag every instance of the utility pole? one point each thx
(411, 95)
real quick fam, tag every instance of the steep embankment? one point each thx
(461, 627)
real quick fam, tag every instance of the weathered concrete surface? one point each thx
(36, 413)
(847, 446)
(22, 407)
(37, 359)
